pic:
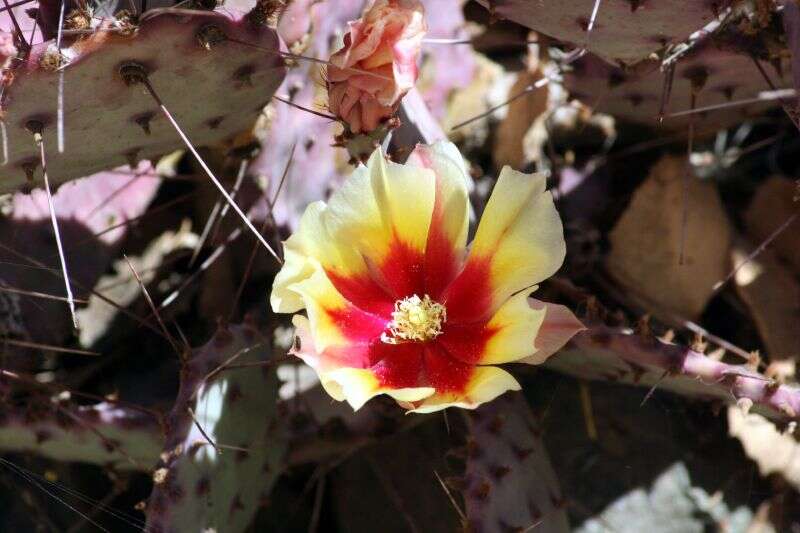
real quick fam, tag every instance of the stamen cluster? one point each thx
(415, 319)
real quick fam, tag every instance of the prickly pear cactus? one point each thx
(103, 434)
(710, 75)
(509, 482)
(207, 440)
(623, 356)
(222, 452)
(93, 215)
(625, 31)
(650, 58)
(214, 72)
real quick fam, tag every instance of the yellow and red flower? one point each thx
(395, 303)
(377, 65)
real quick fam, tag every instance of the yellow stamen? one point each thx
(415, 319)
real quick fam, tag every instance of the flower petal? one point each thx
(334, 320)
(396, 371)
(516, 325)
(508, 336)
(354, 355)
(384, 211)
(447, 236)
(397, 366)
(389, 232)
(444, 372)
(405, 197)
(341, 372)
(297, 261)
(485, 384)
(519, 242)
(311, 247)
(357, 386)
(559, 326)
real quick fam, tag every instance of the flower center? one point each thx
(415, 319)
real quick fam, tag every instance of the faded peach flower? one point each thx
(384, 46)
(396, 305)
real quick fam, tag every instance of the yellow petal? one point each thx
(405, 197)
(520, 234)
(452, 187)
(313, 246)
(299, 262)
(343, 382)
(447, 235)
(334, 357)
(353, 214)
(516, 326)
(321, 298)
(357, 386)
(486, 384)
(379, 202)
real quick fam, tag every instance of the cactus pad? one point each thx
(221, 452)
(214, 86)
(620, 355)
(510, 484)
(92, 213)
(103, 434)
(625, 31)
(635, 95)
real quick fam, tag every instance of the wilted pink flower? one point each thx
(378, 64)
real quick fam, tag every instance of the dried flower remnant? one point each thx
(8, 49)
(383, 46)
(395, 304)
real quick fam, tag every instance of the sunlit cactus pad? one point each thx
(510, 483)
(222, 451)
(214, 71)
(103, 434)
